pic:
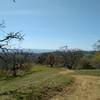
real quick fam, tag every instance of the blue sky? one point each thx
(50, 24)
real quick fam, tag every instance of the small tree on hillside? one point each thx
(51, 60)
(95, 61)
(64, 51)
(71, 57)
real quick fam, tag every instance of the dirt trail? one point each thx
(85, 88)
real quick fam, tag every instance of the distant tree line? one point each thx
(71, 59)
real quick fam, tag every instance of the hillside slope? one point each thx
(40, 84)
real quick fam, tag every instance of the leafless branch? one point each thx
(10, 36)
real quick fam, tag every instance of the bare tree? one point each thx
(5, 46)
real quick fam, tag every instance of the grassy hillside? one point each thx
(41, 83)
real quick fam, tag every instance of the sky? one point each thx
(51, 24)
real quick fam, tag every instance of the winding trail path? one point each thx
(84, 88)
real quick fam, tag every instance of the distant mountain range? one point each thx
(48, 50)
(38, 50)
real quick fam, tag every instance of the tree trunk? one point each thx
(14, 67)
(14, 73)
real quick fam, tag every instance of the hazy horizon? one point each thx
(51, 24)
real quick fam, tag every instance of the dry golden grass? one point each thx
(85, 88)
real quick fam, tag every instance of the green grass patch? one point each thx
(87, 72)
(41, 83)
